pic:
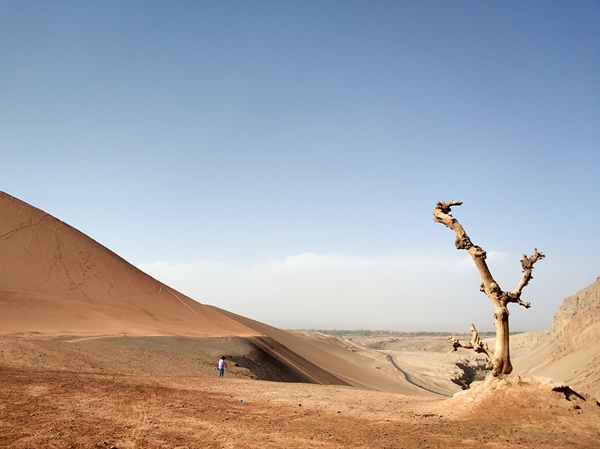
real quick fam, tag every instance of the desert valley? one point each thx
(94, 353)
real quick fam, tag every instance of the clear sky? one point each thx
(281, 159)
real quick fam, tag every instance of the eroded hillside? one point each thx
(570, 351)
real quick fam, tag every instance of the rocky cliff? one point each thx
(570, 351)
(577, 322)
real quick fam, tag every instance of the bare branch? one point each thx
(441, 214)
(512, 297)
(445, 207)
(527, 265)
(525, 304)
(476, 344)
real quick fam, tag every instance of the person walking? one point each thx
(221, 366)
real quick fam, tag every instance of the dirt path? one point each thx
(408, 378)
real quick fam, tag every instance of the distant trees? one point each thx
(499, 360)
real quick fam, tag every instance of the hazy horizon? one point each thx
(281, 160)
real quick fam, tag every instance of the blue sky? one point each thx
(281, 159)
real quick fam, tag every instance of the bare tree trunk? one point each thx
(499, 361)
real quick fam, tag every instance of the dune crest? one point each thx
(56, 280)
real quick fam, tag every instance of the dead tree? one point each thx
(499, 360)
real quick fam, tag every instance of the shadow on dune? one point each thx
(270, 360)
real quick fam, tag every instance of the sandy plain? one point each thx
(153, 392)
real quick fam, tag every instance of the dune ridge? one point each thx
(56, 280)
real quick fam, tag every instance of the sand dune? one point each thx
(353, 364)
(60, 282)
(55, 280)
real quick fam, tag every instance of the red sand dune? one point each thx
(55, 281)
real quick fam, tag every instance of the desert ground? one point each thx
(96, 353)
(155, 392)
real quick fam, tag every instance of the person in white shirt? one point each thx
(221, 366)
